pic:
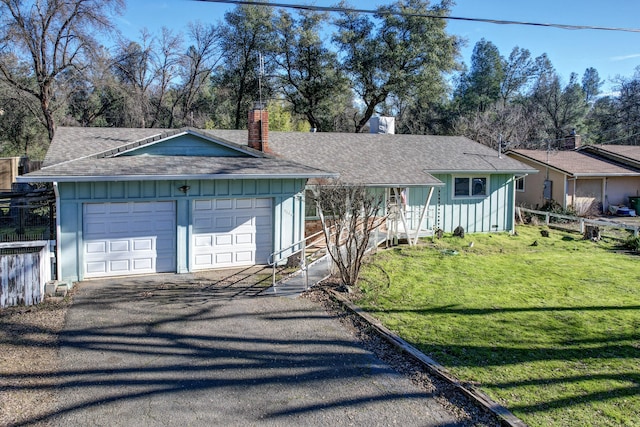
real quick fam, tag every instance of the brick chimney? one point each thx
(572, 141)
(259, 128)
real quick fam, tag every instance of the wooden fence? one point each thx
(578, 221)
(25, 268)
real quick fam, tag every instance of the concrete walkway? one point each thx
(294, 286)
(213, 349)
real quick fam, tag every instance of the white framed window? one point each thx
(470, 186)
(520, 184)
(310, 208)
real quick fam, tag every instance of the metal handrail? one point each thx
(271, 261)
(303, 261)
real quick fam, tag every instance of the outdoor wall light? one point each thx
(184, 188)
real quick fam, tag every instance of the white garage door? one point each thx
(231, 232)
(129, 238)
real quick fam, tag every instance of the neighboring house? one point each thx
(580, 178)
(147, 200)
(628, 155)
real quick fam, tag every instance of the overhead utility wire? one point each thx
(420, 15)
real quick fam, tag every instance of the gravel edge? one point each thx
(448, 395)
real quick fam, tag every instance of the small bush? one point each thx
(554, 207)
(633, 244)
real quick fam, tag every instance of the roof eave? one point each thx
(605, 175)
(107, 178)
(484, 171)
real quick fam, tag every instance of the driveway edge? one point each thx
(503, 414)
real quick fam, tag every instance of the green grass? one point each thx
(551, 331)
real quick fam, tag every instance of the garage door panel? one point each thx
(224, 223)
(221, 204)
(96, 267)
(263, 221)
(142, 264)
(200, 241)
(142, 245)
(224, 239)
(244, 203)
(263, 203)
(244, 238)
(241, 220)
(224, 259)
(204, 259)
(244, 256)
(95, 208)
(116, 208)
(96, 247)
(234, 231)
(129, 238)
(205, 205)
(118, 246)
(200, 224)
(142, 227)
(119, 266)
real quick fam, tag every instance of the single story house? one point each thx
(139, 201)
(581, 178)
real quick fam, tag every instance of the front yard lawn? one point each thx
(552, 330)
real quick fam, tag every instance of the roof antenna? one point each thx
(260, 75)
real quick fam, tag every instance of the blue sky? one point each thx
(611, 53)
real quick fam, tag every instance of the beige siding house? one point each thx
(580, 179)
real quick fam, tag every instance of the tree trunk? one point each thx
(591, 232)
(45, 99)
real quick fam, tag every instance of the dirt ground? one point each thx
(28, 353)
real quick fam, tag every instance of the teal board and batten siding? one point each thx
(186, 145)
(288, 211)
(494, 212)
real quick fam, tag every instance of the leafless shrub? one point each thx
(348, 213)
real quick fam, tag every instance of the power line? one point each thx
(421, 15)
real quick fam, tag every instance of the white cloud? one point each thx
(625, 57)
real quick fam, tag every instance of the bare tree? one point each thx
(54, 37)
(196, 67)
(348, 214)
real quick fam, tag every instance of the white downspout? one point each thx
(56, 192)
(604, 194)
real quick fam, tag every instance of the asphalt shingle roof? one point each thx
(386, 159)
(626, 153)
(371, 159)
(168, 167)
(578, 163)
(92, 153)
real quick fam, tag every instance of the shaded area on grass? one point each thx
(551, 330)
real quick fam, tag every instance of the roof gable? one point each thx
(575, 163)
(102, 154)
(187, 144)
(626, 154)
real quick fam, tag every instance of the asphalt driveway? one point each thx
(214, 350)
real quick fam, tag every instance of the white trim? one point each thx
(470, 177)
(105, 178)
(521, 179)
